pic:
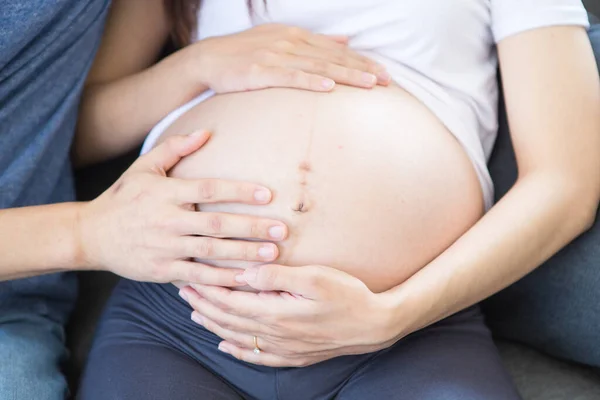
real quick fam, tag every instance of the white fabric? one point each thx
(441, 51)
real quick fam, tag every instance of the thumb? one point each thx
(164, 156)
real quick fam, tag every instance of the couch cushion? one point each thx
(539, 377)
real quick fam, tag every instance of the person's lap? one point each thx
(33, 313)
(455, 359)
(147, 347)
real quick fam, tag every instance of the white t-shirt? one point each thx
(441, 51)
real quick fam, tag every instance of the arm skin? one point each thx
(115, 113)
(552, 93)
(553, 103)
(127, 92)
(38, 240)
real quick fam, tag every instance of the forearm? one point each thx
(115, 116)
(533, 221)
(39, 240)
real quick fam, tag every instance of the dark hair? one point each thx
(183, 16)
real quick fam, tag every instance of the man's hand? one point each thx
(145, 226)
(303, 315)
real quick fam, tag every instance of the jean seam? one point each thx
(276, 383)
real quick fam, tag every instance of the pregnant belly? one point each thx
(368, 181)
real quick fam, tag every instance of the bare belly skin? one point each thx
(368, 181)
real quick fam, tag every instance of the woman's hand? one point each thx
(145, 226)
(275, 55)
(303, 315)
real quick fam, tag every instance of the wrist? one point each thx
(82, 239)
(196, 65)
(391, 321)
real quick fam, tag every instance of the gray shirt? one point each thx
(46, 49)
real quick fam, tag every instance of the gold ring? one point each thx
(257, 349)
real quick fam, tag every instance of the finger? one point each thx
(318, 47)
(208, 248)
(307, 281)
(337, 42)
(246, 341)
(265, 358)
(372, 72)
(224, 225)
(341, 39)
(208, 191)
(252, 305)
(195, 272)
(238, 339)
(162, 158)
(271, 77)
(207, 310)
(338, 73)
(342, 56)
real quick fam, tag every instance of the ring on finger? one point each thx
(257, 349)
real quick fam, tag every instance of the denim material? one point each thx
(46, 49)
(31, 349)
(556, 308)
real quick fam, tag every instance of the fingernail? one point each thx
(197, 134)
(369, 78)
(197, 318)
(384, 76)
(183, 295)
(277, 232)
(224, 349)
(328, 84)
(262, 195)
(267, 252)
(240, 278)
(250, 274)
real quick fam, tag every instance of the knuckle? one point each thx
(343, 58)
(169, 222)
(248, 252)
(196, 275)
(255, 68)
(206, 248)
(245, 192)
(371, 66)
(132, 185)
(315, 282)
(264, 56)
(221, 304)
(158, 273)
(353, 75)
(207, 189)
(295, 32)
(267, 276)
(283, 45)
(226, 325)
(214, 224)
(226, 308)
(255, 230)
(294, 76)
(321, 67)
(237, 341)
